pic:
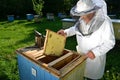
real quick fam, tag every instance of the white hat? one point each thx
(84, 7)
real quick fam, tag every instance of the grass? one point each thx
(112, 71)
(20, 33)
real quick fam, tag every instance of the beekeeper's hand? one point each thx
(90, 55)
(61, 32)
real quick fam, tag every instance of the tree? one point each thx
(68, 4)
(38, 6)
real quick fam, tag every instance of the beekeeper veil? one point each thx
(84, 7)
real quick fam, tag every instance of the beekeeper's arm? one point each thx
(67, 32)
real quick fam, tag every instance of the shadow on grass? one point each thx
(3, 77)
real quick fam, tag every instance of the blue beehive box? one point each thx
(67, 22)
(116, 23)
(33, 64)
(29, 17)
(10, 18)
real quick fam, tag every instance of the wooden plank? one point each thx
(71, 66)
(54, 43)
(59, 59)
(38, 54)
(28, 50)
(39, 57)
(76, 73)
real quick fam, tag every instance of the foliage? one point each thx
(15, 7)
(113, 6)
(38, 6)
(53, 6)
(68, 4)
(56, 6)
(19, 7)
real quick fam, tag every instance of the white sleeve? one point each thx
(108, 39)
(70, 31)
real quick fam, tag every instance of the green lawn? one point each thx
(20, 33)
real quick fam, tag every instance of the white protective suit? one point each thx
(99, 42)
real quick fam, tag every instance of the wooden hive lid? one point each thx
(54, 43)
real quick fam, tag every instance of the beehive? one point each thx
(34, 64)
(66, 23)
(116, 26)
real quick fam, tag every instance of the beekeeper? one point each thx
(94, 34)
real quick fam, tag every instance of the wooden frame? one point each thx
(54, 43)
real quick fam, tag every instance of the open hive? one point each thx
(63, 64)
